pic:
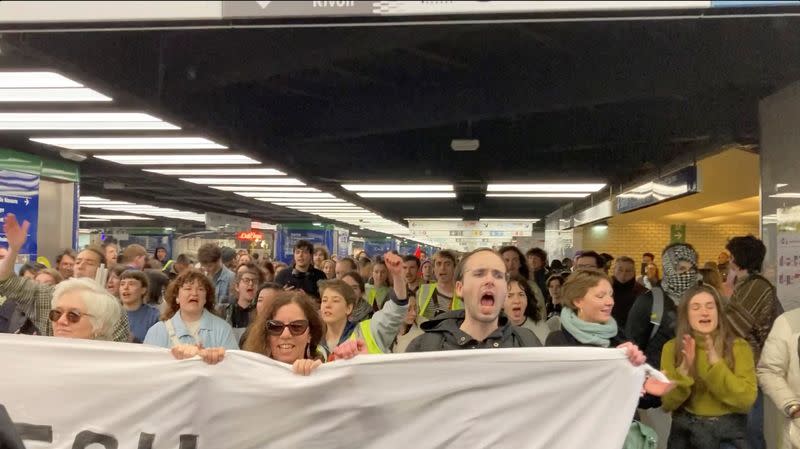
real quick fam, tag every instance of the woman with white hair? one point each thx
(83, 309)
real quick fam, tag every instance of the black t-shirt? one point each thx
(304, 281)
(240, 317)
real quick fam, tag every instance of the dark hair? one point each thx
(158, 280)
(30, 266)
(357, 277)
(183, 259)
(446, 253)
(66, 252)
(556, 265)
(133, 251)
(532, 309)
(171, 298)
(748, 252)
(459, 273)
(118, 270)
(109, 241)
(538, 252)
(555, 277)
(304, 245)
(252, 269)
(650, 255)
(155, 252)
(349, 260)
(209, 253)
(323, 250)
(268, 286)
(139, 276)
(411, 259)
(97, 250)
(523, 266)
(607, 258)
(598, 259)
(626, 259)
(257, 339)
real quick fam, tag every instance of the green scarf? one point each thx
(588, 333)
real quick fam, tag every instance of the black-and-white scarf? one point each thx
(674, 283)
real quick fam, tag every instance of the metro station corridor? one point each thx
(268, 186)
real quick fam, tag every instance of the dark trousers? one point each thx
(699, 432)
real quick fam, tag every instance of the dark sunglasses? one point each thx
(295, 327)
(72, 315)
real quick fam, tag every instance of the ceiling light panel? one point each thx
(245, 181)
(115, 217)
(179, 159)
(141, 209)
(81, 120)
(537, 195)
(398, 187)
(265, 189)
(130, 143)
(590, 188)
(291, 195)
(22, 79)
(414, 195)
(290, 204)
(55, 95)
(301, 200)
(219, 172)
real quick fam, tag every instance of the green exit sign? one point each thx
(677, 233)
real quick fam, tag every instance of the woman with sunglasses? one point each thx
(188, 324)
(83, 309)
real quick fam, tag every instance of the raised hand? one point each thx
(350, 349)
(16, 234)
(394, 263)
(689, 352)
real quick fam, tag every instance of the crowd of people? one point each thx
(717, 331)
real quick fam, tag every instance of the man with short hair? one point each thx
(302, 275)
(65, 263)
(240, 313)
(537, 264)
(590, 260)
(210, 257)
(134, 256)
(411, 267)
(751, 312)
(344, 266)
(626, 289)
(35, 298)
(481, 279)
(439, 297)
(724, 264)
(647, 259)
(111, 251)
(133, 289)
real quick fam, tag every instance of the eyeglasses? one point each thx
(296, 328)
(73, 316)
(496, 274)
(250, 281)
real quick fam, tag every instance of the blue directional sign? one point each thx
(19, 195)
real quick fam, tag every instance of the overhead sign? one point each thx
(230, 223)
(671, 186)
(514, 387)
(249, 236)
(19, 195)
(597, 212)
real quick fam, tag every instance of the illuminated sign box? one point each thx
(674, 185)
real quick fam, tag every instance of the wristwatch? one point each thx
(791, 409)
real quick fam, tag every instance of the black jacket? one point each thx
(443, 333)
(302, 281)
(639, 327)
(15, 319)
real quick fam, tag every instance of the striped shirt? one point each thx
(752, 309)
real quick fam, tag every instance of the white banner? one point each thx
(72, 394)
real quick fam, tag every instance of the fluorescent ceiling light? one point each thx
(435, 219)
(130, 143)
(143, 209)
(398, 187)
(301, 200)
(26, 95)
(218, 172)
(22, 79)
(416, 195)
(292, 205)
(246, 181)
(537, 195)
(115, 217)
(92, 219)
(81, 120)
(265, 189)
(544, 187)
(179, 159)
(291, 195)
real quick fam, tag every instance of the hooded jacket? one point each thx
(443, 333)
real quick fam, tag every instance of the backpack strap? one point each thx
(173, 339)
(657, 312)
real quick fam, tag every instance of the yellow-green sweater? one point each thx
(715, 390)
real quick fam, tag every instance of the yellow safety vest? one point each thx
(376, 293)
(372, 345)
(425, 294)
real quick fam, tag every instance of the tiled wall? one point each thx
(634, 239)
